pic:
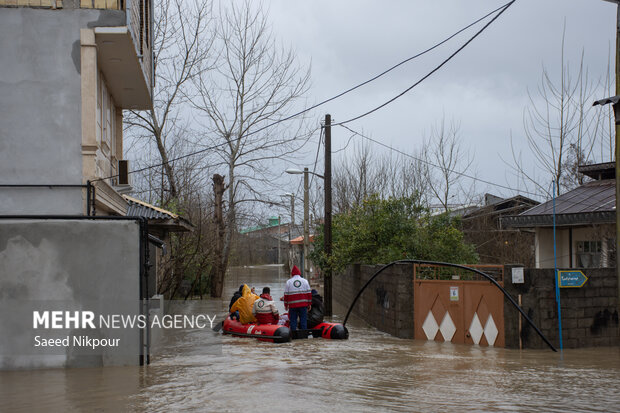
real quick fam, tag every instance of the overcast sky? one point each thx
(484, 87)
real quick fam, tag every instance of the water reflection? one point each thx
(371, 371)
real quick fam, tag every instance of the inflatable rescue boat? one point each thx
(280, 334)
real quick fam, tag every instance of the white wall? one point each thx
(544, 244)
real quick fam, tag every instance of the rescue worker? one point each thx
(264, 309)
(297, 299)
(244, 305)
(317, 310)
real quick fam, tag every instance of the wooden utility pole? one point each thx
(306, 266)
(617, 119)
(327, 231)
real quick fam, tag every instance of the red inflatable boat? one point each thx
(280, 334)
(264, 332)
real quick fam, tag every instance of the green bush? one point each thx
(385, 230)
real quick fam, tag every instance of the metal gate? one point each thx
(458, 306)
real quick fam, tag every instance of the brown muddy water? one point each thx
(370, 372)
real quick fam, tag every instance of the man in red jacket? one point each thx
(297, 299)
(265, 309)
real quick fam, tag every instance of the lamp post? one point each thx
(292, 224)
(306, 173)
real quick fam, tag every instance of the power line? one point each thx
(432, 71)
(333, 97)
(584, 202)
(463, 174)
(316, 160)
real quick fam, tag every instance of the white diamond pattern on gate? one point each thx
(447, 327)
(430, 326)
(475, 329)
(490, 331)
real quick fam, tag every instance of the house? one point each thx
(585, 223)
(264, 244)
(494, 244)
(296, 257)
(68, 70)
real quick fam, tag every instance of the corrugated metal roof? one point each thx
(596, 196)
(139, 208)
(594, 202)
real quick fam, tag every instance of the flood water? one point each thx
(370, 372)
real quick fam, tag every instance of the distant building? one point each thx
(482, 227)
(585, 223)
(264, 244)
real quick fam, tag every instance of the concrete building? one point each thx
(68, 69)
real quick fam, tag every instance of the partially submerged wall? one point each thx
(386, 304)
(67, 265)
(589, 313)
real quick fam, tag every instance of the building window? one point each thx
(589, 254)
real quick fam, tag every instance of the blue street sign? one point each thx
(571, 279)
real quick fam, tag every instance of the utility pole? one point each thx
(293, 210)
(327, 231)
(617, 119)
(615, 100)
(306, 272)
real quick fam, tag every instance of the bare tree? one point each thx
(182, 43)
(362, 174)
(446, 161)
(561, 129)
(255, 84)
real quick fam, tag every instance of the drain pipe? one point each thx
(447, 264)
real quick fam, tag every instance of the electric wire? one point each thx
(326, 100)
(585, 202)
(463, 174)
(432, 71)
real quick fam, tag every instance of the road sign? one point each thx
(571, 279)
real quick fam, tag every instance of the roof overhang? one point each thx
(561, 220)
(122, 68)
(171, 225)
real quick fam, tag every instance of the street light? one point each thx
(291, 225)
(305, 172)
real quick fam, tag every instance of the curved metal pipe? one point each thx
(447, 264)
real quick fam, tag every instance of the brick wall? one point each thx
(387, 303)
(589, 313)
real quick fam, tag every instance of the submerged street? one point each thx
(198, 370)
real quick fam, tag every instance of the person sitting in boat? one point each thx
(244, 305)
(317, 310)
(264, 309)
(234, 298)
(297, 299)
